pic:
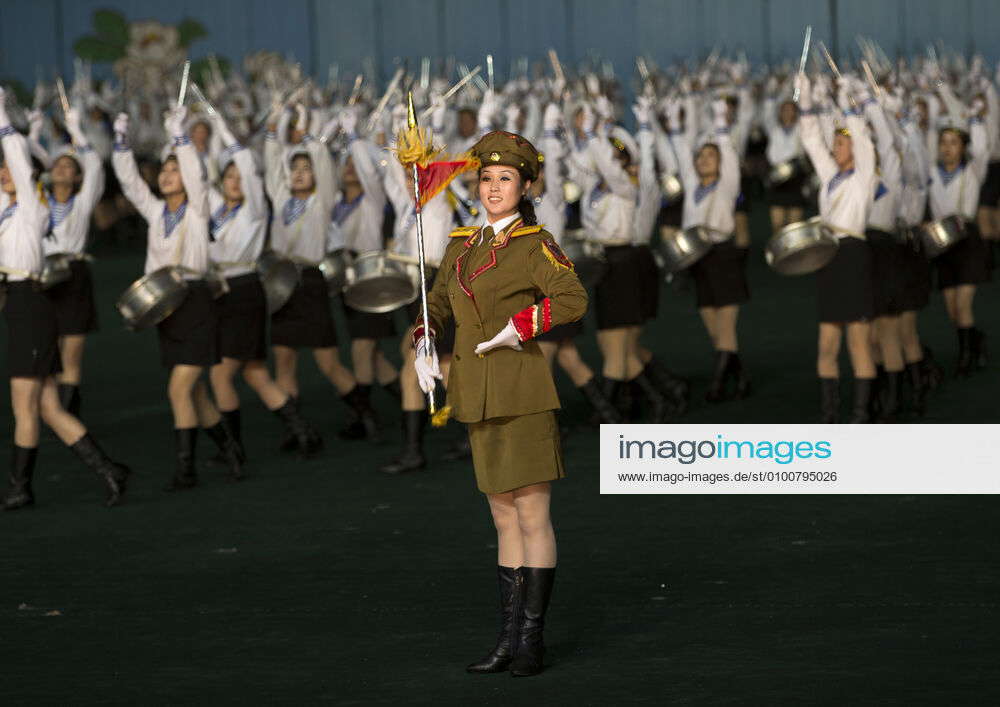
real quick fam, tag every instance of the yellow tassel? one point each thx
(415, 145)
(441, 417)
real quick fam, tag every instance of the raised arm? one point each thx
(809, 131)
(192, 171)
(133, 186)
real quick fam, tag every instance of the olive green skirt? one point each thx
(511, 452)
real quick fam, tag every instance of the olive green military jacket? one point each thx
(520, 275)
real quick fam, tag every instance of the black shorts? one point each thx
(720, 276)
(968, 262)
(76, 312)
(363, 325)
(190, 336)
(648, 280)
(989, 193)
(888, 275)
(618, 296)
(561, 332)
(845, 289)
(670, 214)
(305, 322)
(243, 319)
(32, 334)
(788, 194)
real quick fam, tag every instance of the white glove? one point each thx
(507, 337)
(225, 134)
(552, 118)
(486, 109)
(642, 110)
(819, 92)
(398, 118)
(511, 114)
(720, 111)
(588, 120)
(673, 111)
(604, 108)
(35, 119)
(844, 94)
(978, 106)
(73, 126)
(174, 122)
(804, 89)
(121, 127)
(349, 121)
(301, 118)
(771, 87)
(426, 364)
(438, 112)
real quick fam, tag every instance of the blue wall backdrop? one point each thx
(38, 35)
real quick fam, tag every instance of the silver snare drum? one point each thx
(334, 269)
(56, 269)
(801, 248)
(587, 257)
(378, 282)
(279, 276)
(940, 236)
(683, 248)
(153, 298)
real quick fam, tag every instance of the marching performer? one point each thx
(178, 236)
(237, 228)
(302, 185)
(784, 146)
(845, 288)
(32, 332)
(954, 190)
(503, 284)
(77, 177)
(711, 178)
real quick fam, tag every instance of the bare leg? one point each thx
(778, 218)
(363, 360)
(285, 363)
(68, 429)
(208, 413)
(571, 362)
(964, 297)
(532, 504)
(510, 544)
(860, 349)
(385, 372)
(221, 376)
(708, 318)
(910, 337)
(25, 399)
(888, 334)
(549, 349)
(71, 352)
(257, 376)
(180, 392)
(725, 327)
(633, 364)
(614, 349)
(328, 361)
(829, 350)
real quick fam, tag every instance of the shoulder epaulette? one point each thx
(463, 232)
(526, 230)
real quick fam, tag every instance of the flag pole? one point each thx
(411, 123)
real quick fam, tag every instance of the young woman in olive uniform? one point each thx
(507, 276)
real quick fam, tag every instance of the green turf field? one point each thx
(328, 582)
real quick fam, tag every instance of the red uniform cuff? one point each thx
(418, 334)
(533, 320)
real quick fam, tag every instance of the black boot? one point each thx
(234, 421)
(498, 660)
(461, 449)
(933, 372)
(307, 439)
(964, 366)
(977, 345)
(363, 425)
(290, 442)
(889, 398)
(22, 468)
(830, 400)
(862, 410)
(717, 388)
(230, 449)
(185, 476)
(878, 391)
(659, 408)
(115, 475)
(530, 648)
(69, 398)
(736, 369)
(678, 389)
(621, 398)
(918, 388)
(604, 411)
(412, 456)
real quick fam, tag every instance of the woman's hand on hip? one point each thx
(507, 337)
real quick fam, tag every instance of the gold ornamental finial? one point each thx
(411, 115)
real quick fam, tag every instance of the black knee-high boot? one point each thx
(861, 412)
(964, 365)
(918, 388)
(185, 476)
(659, 407)
(412, 456)
(621, 398)
(306, 439)
(743, 387)
(977, 346)
(889, 403)
(530, 649)
(933, 371)
(604, 411)
(499, 658)
(114, 474)
(229, 448)
(233, 420)
(717, 388)
(677, 388)
(830, 400)
(363, 425)
(22, 467)
(393, 388)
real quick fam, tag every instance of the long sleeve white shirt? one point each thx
(712, 205)
(888, 182)
(957, 192)
(357, 225)
(23, 223)
(436, 216)
(238, 234)
(608, 206)
(69, 223)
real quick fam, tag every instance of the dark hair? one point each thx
(527, 209)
